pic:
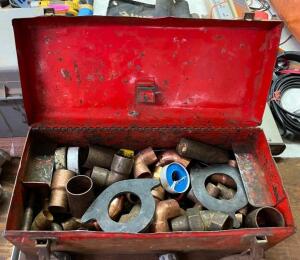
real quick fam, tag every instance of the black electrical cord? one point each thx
(289, 121)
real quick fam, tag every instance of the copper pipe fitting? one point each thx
(142, 160)
(170, 156)
(135, 211)
(42, 221)
(203, 152)
(71, 224)
(58, 200)
(56, 227)
(159, 192)
(116, 207)
(233, 163)
(216, 220)
(120, 169)
(239, 217)
(80, 194)
(165, 210)
(223, 179)
(265, 217)
(99, 156)
(205, 220)
(212, 190)
(226, 193)
(191, 221)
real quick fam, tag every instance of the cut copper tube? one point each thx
(265, 217)
(223, 179)
(212, 190)
(202, 152)
(42, 221)
(56, 227)
(71, 224)
(170, 156)
(132, 214)
(80, 194)
(116, 207)
(58, 200)
(226, 193)
(99, 156)
(141, 162)
(165, 210)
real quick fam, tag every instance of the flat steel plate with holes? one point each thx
(141, 188)
(198, 178)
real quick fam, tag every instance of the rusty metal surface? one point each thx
(253, 177)
(39, 171)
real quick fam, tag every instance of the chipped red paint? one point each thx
(84, 71)
(79, 78)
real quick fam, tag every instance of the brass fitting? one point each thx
(265, 217)
(80, 194)
(159, 192)
(71, 224)
(132, 214)
(42, 221)
(58, 199)
(165, 210)
(99, 156)
(212, 190)
(170, 156)
(203, 152)
(226, 193)
(204, 220)
(223, 179)
(120, 169)
(142, 160)
(56, 227)
(116, 207)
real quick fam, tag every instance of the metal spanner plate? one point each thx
(141, 188)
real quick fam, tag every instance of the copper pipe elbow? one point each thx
(159, 192)
(172, 156)
(58, 200)
(116, 207)
(165, 210)
(132, 214)
(142, 161)
(42, 221)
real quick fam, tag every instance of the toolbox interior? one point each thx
(253, 141)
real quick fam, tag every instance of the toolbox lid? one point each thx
(132, 72)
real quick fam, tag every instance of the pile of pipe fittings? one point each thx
(195, 187)
(4, 157)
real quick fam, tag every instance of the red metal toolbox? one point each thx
(128, 82)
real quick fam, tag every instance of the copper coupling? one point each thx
(71, 224)
(223, 179)
(170, 156)
(80, 194)
(132, 214)
(226, 193)
(99, 156)
(202, 220)
(265, 217)
(141, 162)
(42, 221)
(203, 152)
(165, 210)
(159, 192)
(120, 170)
(212, 190)
(58, 199)
(116, 206)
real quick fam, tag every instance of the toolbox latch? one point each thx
(146, 91)
(43, 248)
